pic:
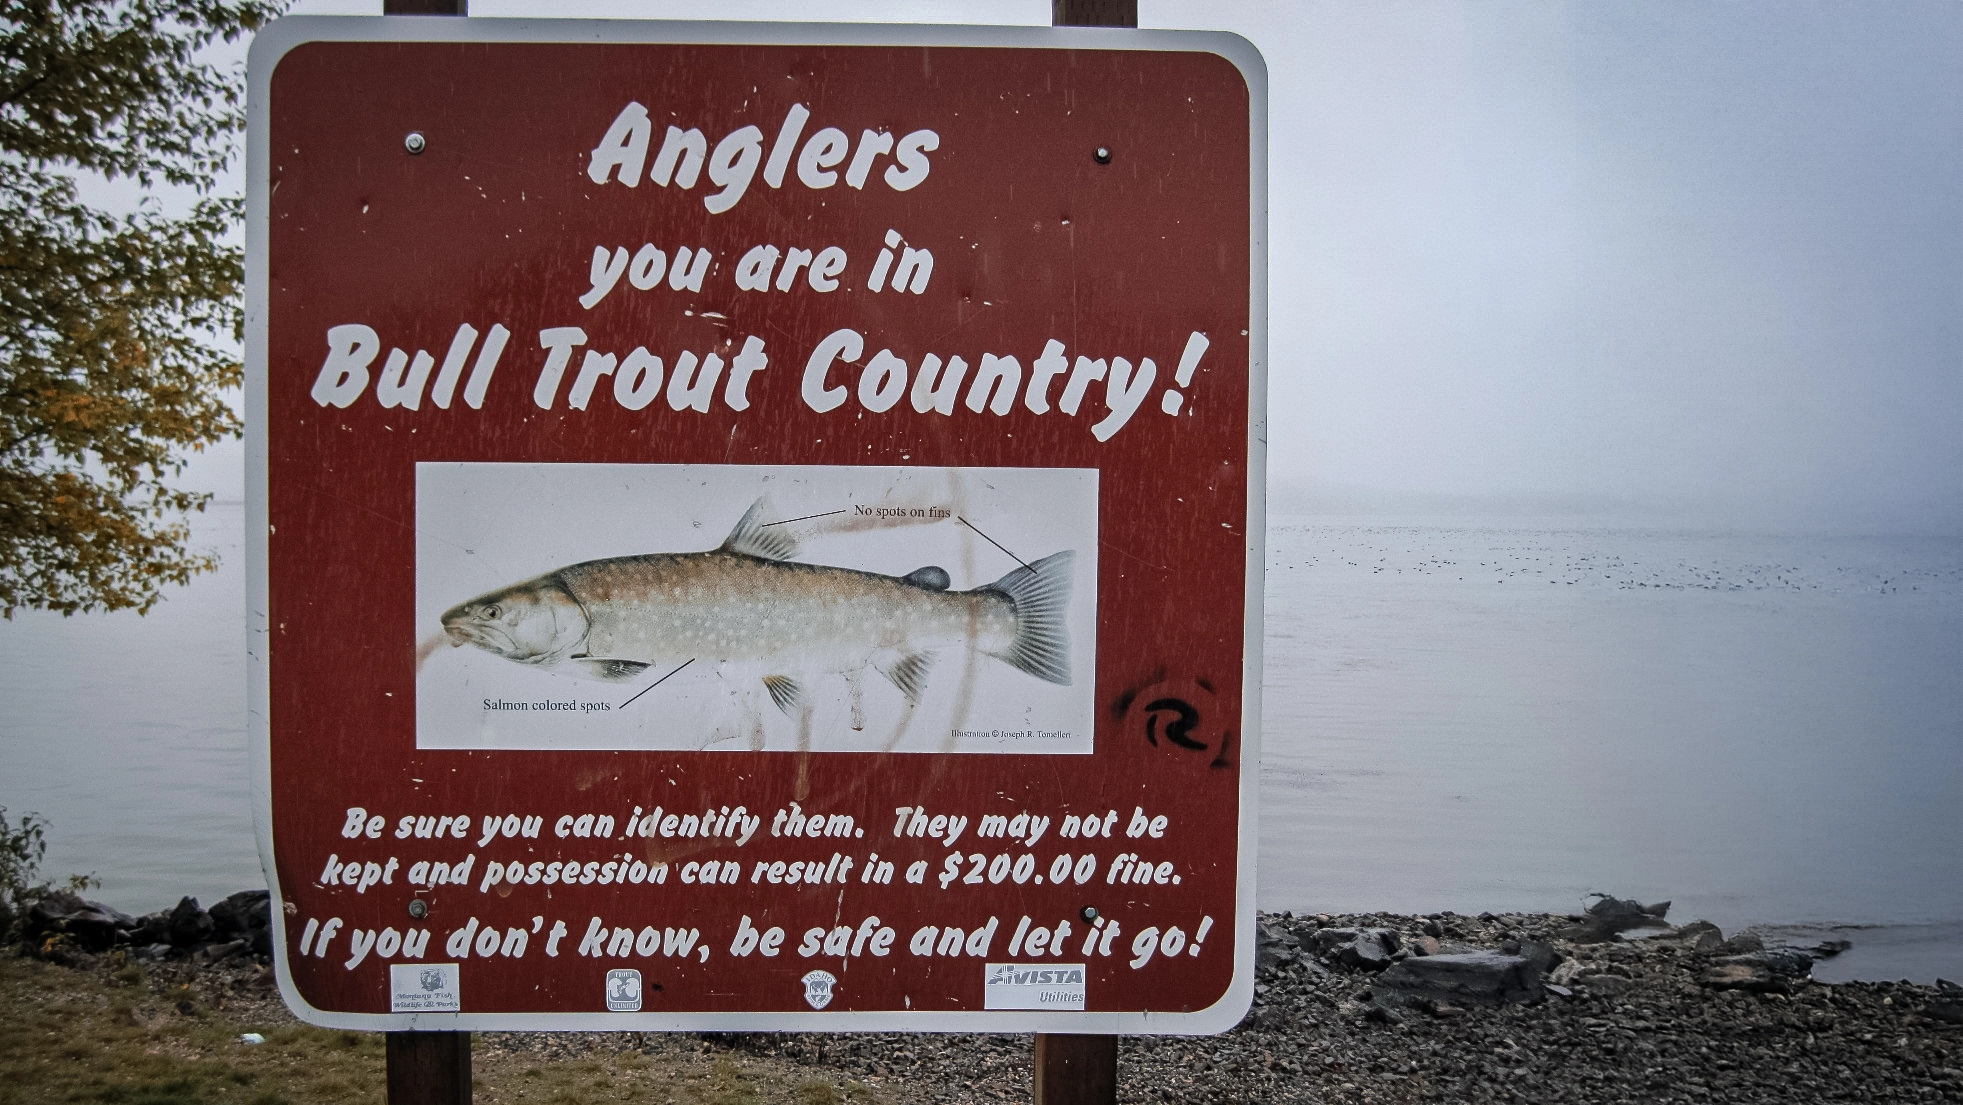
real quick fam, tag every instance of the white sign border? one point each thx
(278, 38)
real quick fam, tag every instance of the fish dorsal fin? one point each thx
(752, 537)
(786, 692)
(931, 578)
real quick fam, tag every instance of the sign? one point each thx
(754, 526)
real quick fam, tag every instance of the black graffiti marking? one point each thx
(1121, 705)
(1176, 730)
(1221, 761)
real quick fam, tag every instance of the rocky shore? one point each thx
(1614, 1005)
(62, 925)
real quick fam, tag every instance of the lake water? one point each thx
(1470, 715)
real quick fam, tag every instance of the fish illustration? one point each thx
(752, 611)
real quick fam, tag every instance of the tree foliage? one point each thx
(22, 849)
(118, 332)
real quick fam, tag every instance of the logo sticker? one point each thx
(624, 990)
(1034, 986)
(423, 988)
(818, 988)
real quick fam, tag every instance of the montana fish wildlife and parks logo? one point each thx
(424, 988)
(624, 990)
(818, 988)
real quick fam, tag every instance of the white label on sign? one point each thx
(424, 988)
(1035, 986)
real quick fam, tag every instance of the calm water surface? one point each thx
(1507, 714)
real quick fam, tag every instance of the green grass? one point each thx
(123, 1035)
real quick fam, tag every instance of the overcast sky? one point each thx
(1695, 252)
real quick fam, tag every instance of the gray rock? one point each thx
(189, 925)
(93, 926)
(1465, 978)
(1948, 1007)
(1743, 943)
(1771, 971)
(1751, 977)
(1382, 1015)
(1604, 983)
(213, 953)
(1702, 937)
(1356, 949)
(151, 928)
(1274, 946)
(1610, 916)
(1784, 962)
(241, 913)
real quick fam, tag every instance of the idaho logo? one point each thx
(818, 988)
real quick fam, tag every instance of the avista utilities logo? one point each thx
(1018, 974)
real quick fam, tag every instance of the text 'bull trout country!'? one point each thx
(932, 385)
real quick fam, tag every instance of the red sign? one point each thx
(756, 526)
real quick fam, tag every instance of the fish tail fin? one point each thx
(1040, 592)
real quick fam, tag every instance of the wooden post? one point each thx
(1070, 1069)
(428, 1068)
(1094, 13)
(1076, 1070)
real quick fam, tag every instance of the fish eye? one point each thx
(492, 612)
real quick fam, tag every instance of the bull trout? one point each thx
(747, 607)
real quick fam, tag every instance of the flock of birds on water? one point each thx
(1927, 568)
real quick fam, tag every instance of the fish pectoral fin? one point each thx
(609, 669)
(753, 537)
(786, 692)
(909, 673)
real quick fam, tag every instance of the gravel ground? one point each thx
(1663, 1018)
